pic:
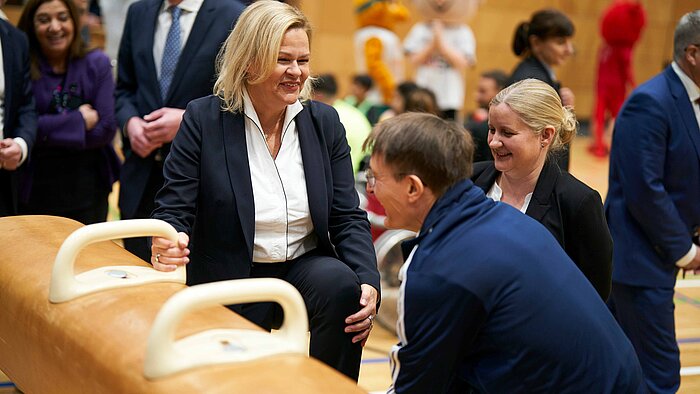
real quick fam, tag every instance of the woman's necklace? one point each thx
(273, 139)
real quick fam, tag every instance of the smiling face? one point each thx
(392, 194)
(516, 149)
(54, 28)
(283, 86)
(553, 51)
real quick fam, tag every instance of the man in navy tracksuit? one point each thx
(489, 301)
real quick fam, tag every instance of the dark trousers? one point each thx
(96, 212)
(646, 316)
(6, 206)
(141, 246)
(331, 292)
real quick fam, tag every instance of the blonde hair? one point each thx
(538, 105)
(255, 41)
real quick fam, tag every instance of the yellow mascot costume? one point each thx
(378, 51)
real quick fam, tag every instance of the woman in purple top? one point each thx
(73, 164)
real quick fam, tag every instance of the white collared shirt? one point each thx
(283, 227)
(693, 94)
(496, 193)
(190, 8)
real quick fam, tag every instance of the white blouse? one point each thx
(283, 227)
(495, 193)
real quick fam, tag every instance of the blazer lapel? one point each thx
(487, 178)
(200, 28)
(150, 20)
(540, 201)
(685, 107)
(314, 171)
(236, 154)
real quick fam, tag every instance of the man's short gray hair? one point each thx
(687, 33)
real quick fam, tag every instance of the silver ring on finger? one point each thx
(158, 258)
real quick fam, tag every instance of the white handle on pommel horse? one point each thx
(65, 285)
(165, 356)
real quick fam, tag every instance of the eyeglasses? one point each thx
(372, 179)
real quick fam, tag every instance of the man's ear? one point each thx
(690, 54)
(416, 188)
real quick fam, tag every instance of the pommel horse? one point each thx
(158, 337)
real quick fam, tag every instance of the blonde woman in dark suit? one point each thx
(527, 124)
(263, 185)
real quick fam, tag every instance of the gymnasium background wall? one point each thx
(493, 25)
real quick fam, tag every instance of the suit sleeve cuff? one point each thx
(23, 146)
(685, 260)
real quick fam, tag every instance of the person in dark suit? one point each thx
(18, 121)
(166, 59)
(477, 123)
(527, 124)
(264, 186)
(652, 205)
(73, 164)
(544, 43)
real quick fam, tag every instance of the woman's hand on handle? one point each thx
(167, 255)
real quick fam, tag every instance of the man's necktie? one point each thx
(171, 53)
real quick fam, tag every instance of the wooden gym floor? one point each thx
(375, 375)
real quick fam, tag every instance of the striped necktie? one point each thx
(171, 53)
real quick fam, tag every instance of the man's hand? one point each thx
(10, 154)
(567, 97)
(162, 124)
(140, 144)
(362, 321)
(694, 264)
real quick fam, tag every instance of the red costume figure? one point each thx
(621, 27)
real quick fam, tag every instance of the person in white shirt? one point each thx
(162, 67)
(652, 205)
(261, 185)
(18, 122)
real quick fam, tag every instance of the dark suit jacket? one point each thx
(653, 201)
(209, 195)
(19, 114)
(138, 91)
(530, 67)
(480, 136)
(573, 213)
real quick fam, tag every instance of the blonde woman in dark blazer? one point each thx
(263, 186)
(527, 124)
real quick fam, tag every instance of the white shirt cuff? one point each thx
(685, 260)
(23, 145)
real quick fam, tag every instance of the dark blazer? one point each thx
(652, 205)
(480, 135)
(209, 195)
(138, 92)
(19, 115)
(573, 213)
(530, 67)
